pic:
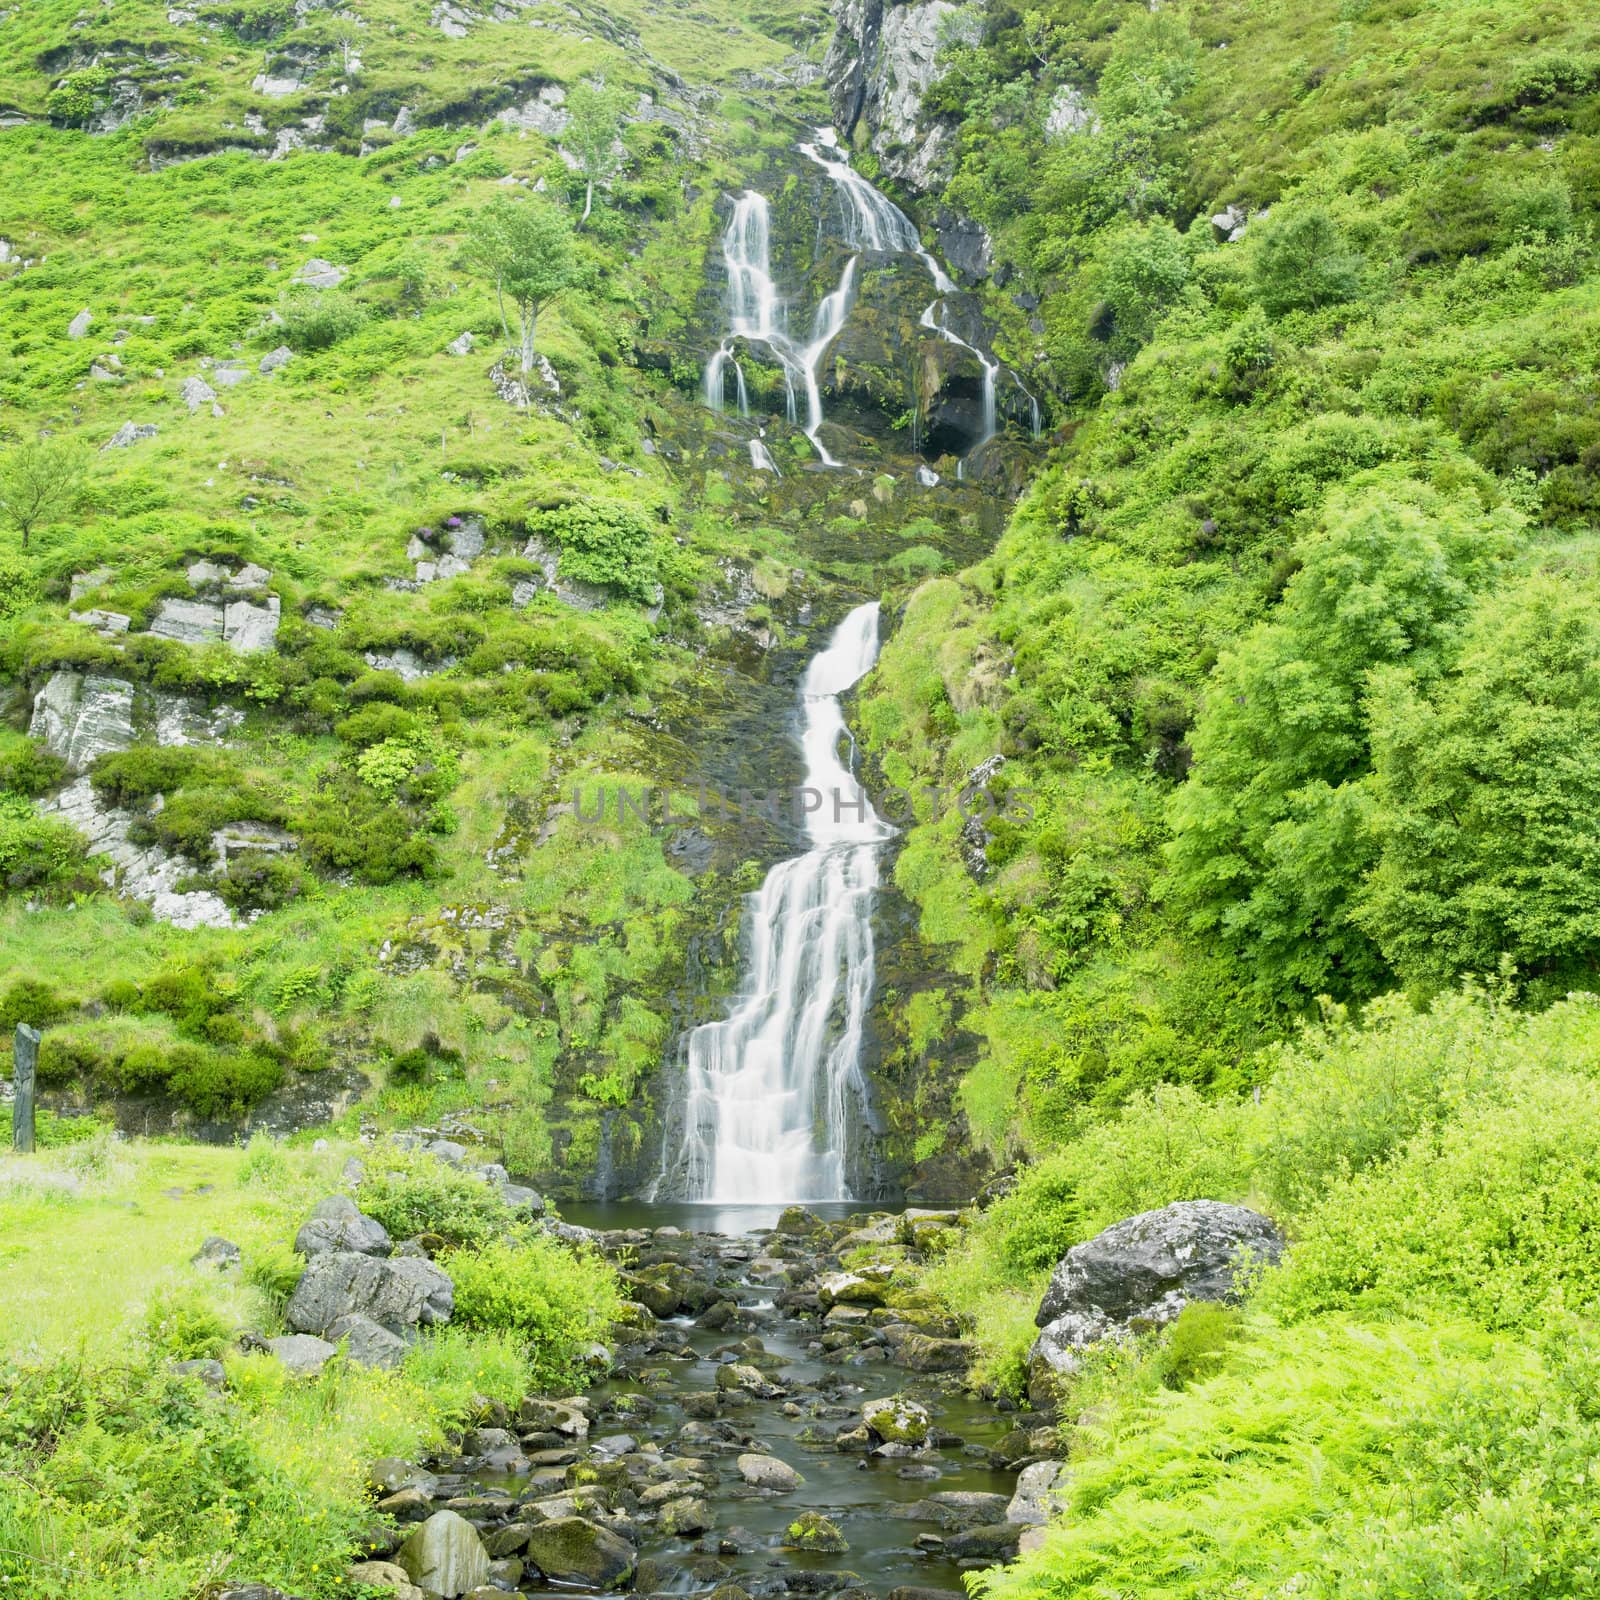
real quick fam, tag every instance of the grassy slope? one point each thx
(322, 473)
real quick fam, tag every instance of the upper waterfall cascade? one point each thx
(770, 1090)
(758, 314)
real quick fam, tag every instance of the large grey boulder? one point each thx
(79, 716)
(400, 1294)
(78, 328)
(320, 274)
(444, 1555)
(130, 433)
(1037, 1486)
(1142, 1272)
(575, 1550)
(336, 1224)
(196, 392)
(367, 1344)
(302, 1353)
(768, 1472)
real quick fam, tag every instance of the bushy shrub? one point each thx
(29, 768)
(1494, 1216)
(315, 319)
(39, 852)
(609, 543)
(417, 1193)
(1302, 261)
(215, 1085)
(32, 1000)
(558, 1299)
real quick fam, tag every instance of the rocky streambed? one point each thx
(770, 1425)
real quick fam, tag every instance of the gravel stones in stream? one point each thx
(775, 1428)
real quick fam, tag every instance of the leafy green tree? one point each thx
(1488, 796)
(40, 483)
(525, 248)
(1145, 271)
(593, 134)
(1271, 833)
(1303, 263)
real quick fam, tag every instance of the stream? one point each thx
(749, 1359)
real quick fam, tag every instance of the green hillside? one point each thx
(395, 690)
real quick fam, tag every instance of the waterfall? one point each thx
(872, 221)
(761, 458)
(769, 1090)
(756, 313)
(936, 318)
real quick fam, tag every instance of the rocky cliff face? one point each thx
(882, 61)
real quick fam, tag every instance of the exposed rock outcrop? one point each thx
(1142, 1272)
(881, 62)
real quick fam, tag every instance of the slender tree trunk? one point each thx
(529, 315)
(505, 324)
(588, 203)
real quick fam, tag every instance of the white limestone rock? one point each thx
(188, 621)
(249, 629)
(130, 433)
(79, 716)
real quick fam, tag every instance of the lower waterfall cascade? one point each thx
(769, 1090)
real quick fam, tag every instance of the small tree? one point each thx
(592, 133)
(525, 248)
(40, 484)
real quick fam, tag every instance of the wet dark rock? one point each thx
(921, 1353)
(575, 1550)
(813, 1531)
(686, 1516)
(993, 1543)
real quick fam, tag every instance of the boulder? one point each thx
(996, 1542)
(1037, 1486)
(897, 1419)
(275, 359)
(686, 1516)
(248, 629)
(391, 1474)
(849, 1288)
(921, 1352)
(336, 1224)
(384, 1575)
(367, 1344)
(768, 1472)
(577, 1551)
(211, 1373)
(302, 1353)
(217, 1253)
(130, 433)
(196, 392)
(320, 274)
(1142, 1272)
(399, 1294)
(461, 345)
(79, 327)
(188, 621)
(813, 1531)
(444, 1555)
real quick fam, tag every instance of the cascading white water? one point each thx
(769, 1090)
(761, 458)
(756, 313)
(936, 318)
(872, 221)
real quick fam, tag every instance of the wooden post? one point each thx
(25, 1055)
